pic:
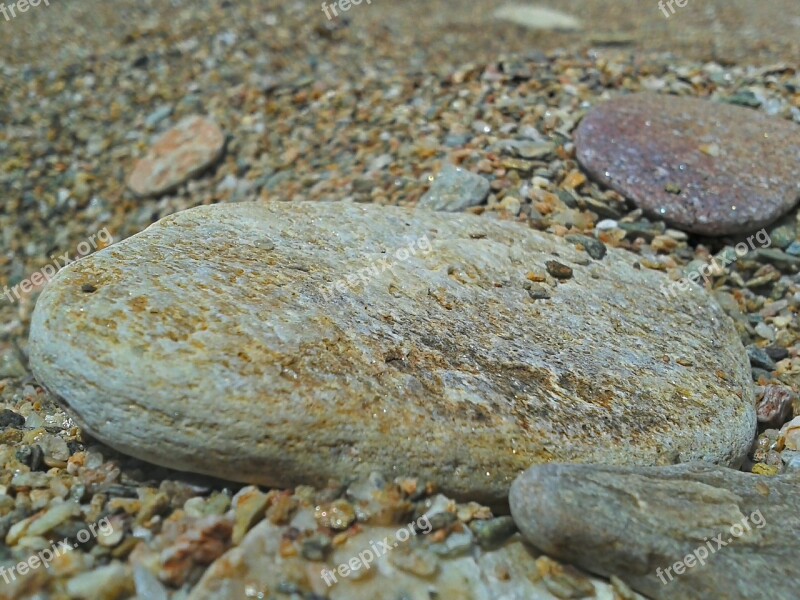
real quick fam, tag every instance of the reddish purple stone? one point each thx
(707, 168)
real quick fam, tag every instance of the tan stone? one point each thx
(290, 343)
(181, 153)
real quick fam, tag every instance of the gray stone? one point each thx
(791, 459)
(783, 235)
(10, 365)
(455, 189)
(526, 149)
(594, 247)
(793, 249)
(290, 343)
(456, 140)
(158, 115)
(776, 257)
(638, 523)
(759, 358)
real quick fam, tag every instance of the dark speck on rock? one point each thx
(558, 270)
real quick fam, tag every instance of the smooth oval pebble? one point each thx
(290, 343)
(702, 166)
(184, 151)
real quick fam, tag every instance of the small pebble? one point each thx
(455, 189)
(760, 359)
(181, 153)
(558, 270)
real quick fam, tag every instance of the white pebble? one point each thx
(606, 224)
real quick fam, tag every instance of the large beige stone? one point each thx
(291, 343)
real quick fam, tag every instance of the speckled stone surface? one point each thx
(181, 153)
(289, 343)
(706, 167)
(740, 531)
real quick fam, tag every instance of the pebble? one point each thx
(492, 565)
(490, 533)
(594, 247)
(251, 504)
(269, 355)
(42, 522)
(790, 435)
(765, 331)
(776, 257)
(559, 270)
(637, 522)
(760, 359)
(791, 459)
(338, 515)
(105, 583)
(774, 404)
(606, 225)
(783, 235)
(537, 17)
(455, 189)
(10, 366)
(642, 229)
(157, 116)
(793, 249)
(653, 149)
(9, 418)
(563, 581)
(527, 149)
(181, 153)
(148, 587)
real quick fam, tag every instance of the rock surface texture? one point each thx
(181, 153)
(289, 343)
(686, 531)
(702, 166)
